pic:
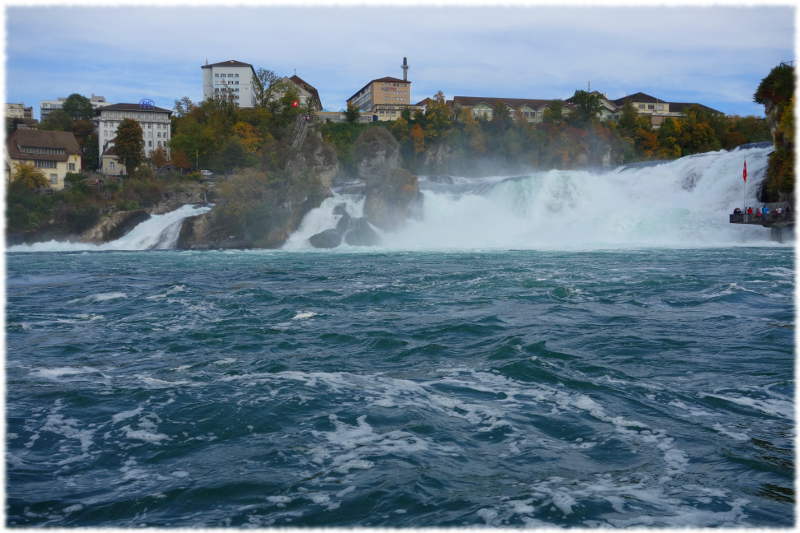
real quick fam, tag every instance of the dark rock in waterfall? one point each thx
(330, 238)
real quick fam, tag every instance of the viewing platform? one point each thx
(781, 224)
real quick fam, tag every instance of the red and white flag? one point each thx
(744, 172)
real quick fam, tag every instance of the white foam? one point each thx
(157, 232)
(124, 415)
(302, 315)
(683, 203)
(56, 373)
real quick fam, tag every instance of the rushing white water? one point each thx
(157, 232)
(682, 203)
(323, 217)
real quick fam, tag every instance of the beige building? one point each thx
(383, 98)
(55, 153)
(482, 107)
(656, 109)
(19, 111)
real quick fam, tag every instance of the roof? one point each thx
(638, 97)
(42, 139)
(475, 100)
(385, 79)
(308, 87)
(228, 63)
(681, 107)
(132, 107)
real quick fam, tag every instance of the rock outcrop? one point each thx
(262, 208)
(355, 231)
(391, 193)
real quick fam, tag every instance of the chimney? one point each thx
(405, 69)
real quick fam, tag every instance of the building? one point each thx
(231, 80)
(656, 109)
(482, 107)
(54, 152)
(384, 98)
(19, 111)
(155, 123)
(48, 106)
(308, 94)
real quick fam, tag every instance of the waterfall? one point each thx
(681, 203)
(157, 232)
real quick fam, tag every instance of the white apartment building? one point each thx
(230, 79)
(155, 123)
(46, 107)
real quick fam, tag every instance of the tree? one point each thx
(418, 138)
(554, 112)
(78, 107)
(57, 120)
(777, 87)
(129, 144)
(587, 107)
(159, 157)
(352, 114)
(29, 177)
(627, 120)
(180, 160)
(269, 88)
(183, 107)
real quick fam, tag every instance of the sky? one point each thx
(714, 55)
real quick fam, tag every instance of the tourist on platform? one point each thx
(749, 210)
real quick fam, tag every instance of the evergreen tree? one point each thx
(78, 107)
(129, 144)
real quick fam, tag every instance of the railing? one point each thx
(764, 220)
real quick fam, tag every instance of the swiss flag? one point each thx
(744, 172)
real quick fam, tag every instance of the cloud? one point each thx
(715, 53)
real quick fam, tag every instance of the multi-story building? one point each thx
(49, 106)
(656, 109)
(156, 130)
(383, 98)
(230, 80)
(19, 111)
(53, 152)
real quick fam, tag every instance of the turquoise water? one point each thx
(607, 388)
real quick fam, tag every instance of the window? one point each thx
(216, 75)
(237, 77)
(650, 106)
(641, 106)
(149, 144)
(44, 164)
(112, 165)
(72, 166)
(53, 179)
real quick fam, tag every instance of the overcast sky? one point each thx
(711, 55)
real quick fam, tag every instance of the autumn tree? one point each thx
(29, 177)
(129, 144)
(159, 157)
(418, 138)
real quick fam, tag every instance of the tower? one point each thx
(405, 69)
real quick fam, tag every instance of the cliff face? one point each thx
(261, 208)
(392, 193)
(776, 93)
